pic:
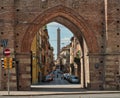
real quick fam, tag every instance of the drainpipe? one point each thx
(105, 39)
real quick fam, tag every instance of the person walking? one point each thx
(62, 77)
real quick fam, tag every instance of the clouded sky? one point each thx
(65, 34)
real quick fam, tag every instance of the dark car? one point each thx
(49, 78)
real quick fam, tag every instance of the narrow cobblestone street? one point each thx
(57, 80)
(58, 84)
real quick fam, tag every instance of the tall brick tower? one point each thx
(58, 42)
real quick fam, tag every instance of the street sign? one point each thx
(4, 42)
(7, 52)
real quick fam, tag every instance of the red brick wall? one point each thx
(20, 20)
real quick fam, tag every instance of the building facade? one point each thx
(42, 56)
(64, 59)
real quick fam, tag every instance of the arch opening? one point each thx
(61, 11)
(72, 65)
(78, 26)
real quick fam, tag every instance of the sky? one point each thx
(65, 35)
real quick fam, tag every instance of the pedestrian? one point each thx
(61, 77)
(57, 75)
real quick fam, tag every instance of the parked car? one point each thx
(66, 75)
(52, 74)
(74, 79)
(48, 78)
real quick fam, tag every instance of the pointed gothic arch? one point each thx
(64, 12)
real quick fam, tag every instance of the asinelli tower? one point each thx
(58, 42)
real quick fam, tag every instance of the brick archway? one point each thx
(64, 12)
(21, 19)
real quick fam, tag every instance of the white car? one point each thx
(74, 79)
(66, 75)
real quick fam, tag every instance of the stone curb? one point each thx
(23, 93)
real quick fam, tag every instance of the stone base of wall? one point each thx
(24, 71)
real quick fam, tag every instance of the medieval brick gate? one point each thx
(97, 21)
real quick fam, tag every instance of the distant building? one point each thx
(75, 51)
(42, 56)
(64, 59)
